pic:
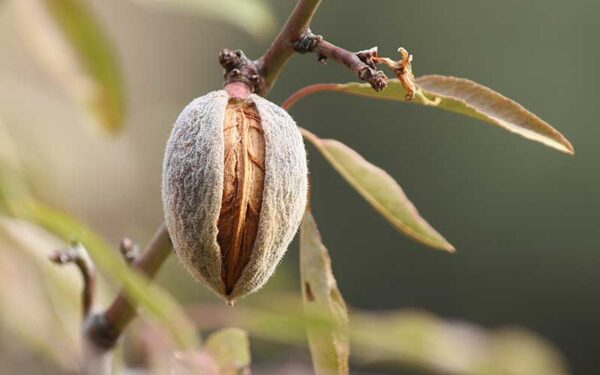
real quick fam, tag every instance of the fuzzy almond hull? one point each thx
(192, 189)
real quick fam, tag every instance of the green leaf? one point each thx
(32, 283)
(404, 338)
(13, 187)
(253, 16)
(330, 349)
(470, 99)
(230, 349)
(422, 340)
(380, 190)
(157, 303)
(71, 44)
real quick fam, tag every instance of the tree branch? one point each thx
(102, 330)
(361, 63)
(295, 36)
(273, 61)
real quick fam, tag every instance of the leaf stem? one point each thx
(305, 91)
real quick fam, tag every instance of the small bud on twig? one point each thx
(129, 249)
(78, 255)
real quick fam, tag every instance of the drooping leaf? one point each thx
(422, 340)
(470, 99)
(69, 41)
(380, 190)
(400, 339)
(330, 349)
(253, 16)
(13, 186)
(153, 299)
(50, 326)
(230, 349)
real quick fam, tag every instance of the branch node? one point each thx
(102, 330)
(376, 78)
(239, 68)
(367, 56)
(129, 250)
(77, 254)
(100, 333)
(307, 42)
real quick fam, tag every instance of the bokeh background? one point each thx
(524, 218)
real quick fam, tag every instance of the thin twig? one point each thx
(358, 62)
(296, 36)
(78, 255)
(102, 330)
(273, 61)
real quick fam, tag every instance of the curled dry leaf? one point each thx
(329, 346)
(380, 190)
(403, 71)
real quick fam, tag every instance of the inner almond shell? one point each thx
(243, 184)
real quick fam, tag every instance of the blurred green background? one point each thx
(523, 217)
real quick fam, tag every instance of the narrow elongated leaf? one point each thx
(399, 339)
(253, 16)
(230, 349)
(13, 186)
(470, 99)
(32, 284)
(380, 190)
(158, 303)
(330, 348)
(69, 42)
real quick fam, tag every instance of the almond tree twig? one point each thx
(102, 330)
(77, 255)
(276, 57)
(295, 36)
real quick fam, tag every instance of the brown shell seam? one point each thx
(243, 184)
